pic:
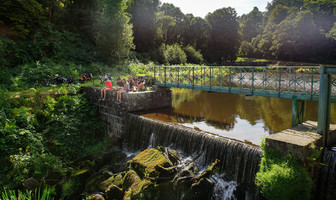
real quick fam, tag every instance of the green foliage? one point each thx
(24, 16)
(40, 132)
(193, 56)
(172, 54)
(37, 194)
(224, 41)
(282, 177)
(143, 20)
(69, 187)
(246, 49)
(251, 24)
(114, 37)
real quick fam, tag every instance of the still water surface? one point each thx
(240, 117)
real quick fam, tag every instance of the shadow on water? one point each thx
(246, 118)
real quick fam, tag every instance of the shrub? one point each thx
(172, 54)
(282, 177)
(193, 56)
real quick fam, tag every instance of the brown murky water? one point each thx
(245, 118)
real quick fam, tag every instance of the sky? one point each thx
(200, 8)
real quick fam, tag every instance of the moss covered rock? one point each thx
(116, 179)
(114, 192)
(146, 162)
(135, 188)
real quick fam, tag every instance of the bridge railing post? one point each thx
(178, 77)
(324, 105)
(193, 77)
(154, 80)
(165, 75)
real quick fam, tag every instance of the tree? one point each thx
(143, 19)
(200, 29)
(114, 33)
(23, 17)
(224, 38)
(324, 13)
(288, 3)
(175, 24)
(251, 24)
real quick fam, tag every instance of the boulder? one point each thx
(116, 179)
(97, 197)
(145, 163)
(135, 188)
(114, 192)
(202, 189)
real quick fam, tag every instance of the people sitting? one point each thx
(103, 90)
(120, 85)
(135, 85)
(131, 83)
(124, 89)
(142, 84)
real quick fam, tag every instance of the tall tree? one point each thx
(143, 20)
(114, 33)
(224, 38)
(22, 17)
(251, 24)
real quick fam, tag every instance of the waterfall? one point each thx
(328, 176)
(239, 161)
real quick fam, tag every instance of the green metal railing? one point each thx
(297, 83)
(282, 82)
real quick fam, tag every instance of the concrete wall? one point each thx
(115, 114)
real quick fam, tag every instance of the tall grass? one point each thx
(37, 194)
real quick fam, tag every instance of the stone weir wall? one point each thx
(115, 114)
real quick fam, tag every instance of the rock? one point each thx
(116, 179)
(190, 170)
(97, 197)
(202, 189)
(208, 172)
(135, 188)
(145, 162)
(131, 180)
(173, 156)
(31, 183)
(168, 172)
(114, 192)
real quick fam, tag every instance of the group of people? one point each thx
(123, 85)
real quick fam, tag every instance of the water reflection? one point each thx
(232, 115)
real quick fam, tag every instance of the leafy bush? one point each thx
(193, 56)
(172, 54)
(282, 177)
(40, 132)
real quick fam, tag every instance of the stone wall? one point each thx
(115, 114)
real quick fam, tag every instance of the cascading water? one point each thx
(328, 176)
(239, 161)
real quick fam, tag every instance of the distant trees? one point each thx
(299, 30)
(114, 33)
(224, 40)
(143, 19)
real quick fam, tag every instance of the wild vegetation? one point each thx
(282, 177)
(44, 129)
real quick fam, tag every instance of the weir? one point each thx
(239, 161)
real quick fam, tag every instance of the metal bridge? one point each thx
(300, 84)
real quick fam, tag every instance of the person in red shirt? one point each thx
(103, 90)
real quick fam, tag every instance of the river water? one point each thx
(235, 116)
